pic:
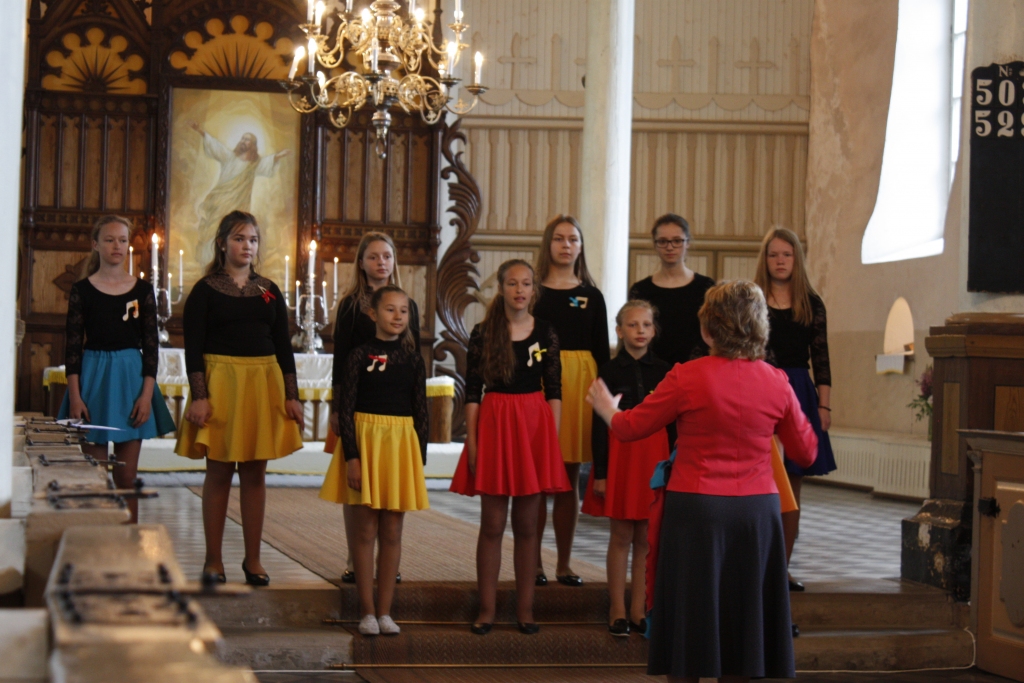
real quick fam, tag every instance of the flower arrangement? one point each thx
(922, 404)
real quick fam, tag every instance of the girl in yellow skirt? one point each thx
(572, 303)
(243, 407)
(383, 422)
(376, 266)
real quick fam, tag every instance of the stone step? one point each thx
(286, 649)
(883, 650)
(879, 604)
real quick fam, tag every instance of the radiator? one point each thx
(884, 462)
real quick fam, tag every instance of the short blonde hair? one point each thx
(735, 316)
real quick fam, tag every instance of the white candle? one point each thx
(297, 286)
(154, 260)
(419, 15)
(366, 16)
(311, 56)
(478, 63)
(374, 54)
(181, 270)
(131, 260)
(318, 15)
(309, 11)
(287, 278)
(453, 52)
(335, 278)
(300, 52)
(458, 12)
(311, 271)
(348, 6)
(169, 285)
(412, 8)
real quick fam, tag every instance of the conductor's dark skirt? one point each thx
(721, 597)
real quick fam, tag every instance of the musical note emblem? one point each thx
(578, 301)
(535, 353)
(382, 359)
(131, 308)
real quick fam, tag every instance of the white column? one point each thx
(607, 131)
(12, 88)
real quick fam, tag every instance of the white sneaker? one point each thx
(387, 625)
(369, 626)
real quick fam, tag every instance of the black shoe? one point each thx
(398, 577)
(570, 580)
(211, 578)
(528, 629)
(640, 628)
(796, 631)
(796, 586)
(619, 628)
(348, 577)
(255, 579)
(481, 629)
(542, 580)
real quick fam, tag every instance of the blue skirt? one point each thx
(110, 382)
(800, 380)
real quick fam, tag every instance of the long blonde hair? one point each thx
(579, 269)
(633, 305)
(359, 285)
(231, 222)
(801, 289)
(92, 264)
(498, 363)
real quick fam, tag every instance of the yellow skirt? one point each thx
(578, 371)
(248, 421)
(391, 463)
(787, 501)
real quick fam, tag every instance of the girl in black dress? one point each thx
(376, 266)
(572, 303)
(799, 338)
(111, 317)
(676, 291)
(243, 407)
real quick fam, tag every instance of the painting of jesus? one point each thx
(232, 151)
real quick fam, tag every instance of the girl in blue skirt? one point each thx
(111, 355)
(797, 343)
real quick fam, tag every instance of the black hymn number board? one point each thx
(995, 261)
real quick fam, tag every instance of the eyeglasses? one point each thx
(675, 244)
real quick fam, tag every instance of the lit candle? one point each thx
(154, 259)
(348, 6)
(311, 56)
(366, 16)
(318, 15)
(412, 8)
(419, 15)
(312, 261)
(478, 63)
(453, 52)
(181, 270)
(131, 260)
(309, 11)
(169, 285)
(287, 273)
(300, 52)
(297, 286)
(335, 278)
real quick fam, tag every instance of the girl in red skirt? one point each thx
(619, 486)
(511, 446)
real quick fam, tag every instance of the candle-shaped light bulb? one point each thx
(131, 260)
(412, 8)
(419, 15)
(374, 54)
(311, 56)
(453, 52)
(320, 79)
(348, 6)
(300, 52)
(312, 262)
(478, 65)
(366, 16)
(318, 14)
(458, 12)
(310, 6)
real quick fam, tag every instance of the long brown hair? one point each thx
(408, 342)
(359, 286)
(498, 364)
(228, 225)
(801, 289)
(579, 269)
(93, 262)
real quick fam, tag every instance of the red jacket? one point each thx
(726, 412)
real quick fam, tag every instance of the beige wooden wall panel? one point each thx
(53, 272)
(414, 282)
(491, 257)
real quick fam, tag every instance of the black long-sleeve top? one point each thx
(353, 328)
(679, 328)
(635, 380)
(538, 365)
(794, 345)
(221, 318)
(111, 322)
(383, 378)
(580, 319)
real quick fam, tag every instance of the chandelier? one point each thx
(391, 54)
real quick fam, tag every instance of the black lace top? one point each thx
(353, 327)
(537, 365)
(111, 322)
(635, 380)
(580, 319)
(678, 337)
(792, 345)
(382, 378)
(221, 318)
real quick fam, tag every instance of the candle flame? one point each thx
(156, 238)
(335, 259)
(312, 245)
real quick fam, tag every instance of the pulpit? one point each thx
(978, 383)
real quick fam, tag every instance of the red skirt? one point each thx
(628, 493)
(517, 449)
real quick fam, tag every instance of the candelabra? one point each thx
(164, 301)
(385, 44)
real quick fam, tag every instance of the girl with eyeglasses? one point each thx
(676, 291)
